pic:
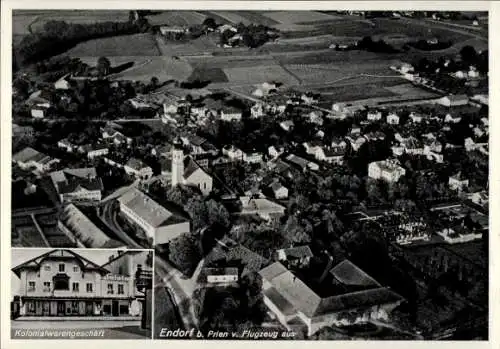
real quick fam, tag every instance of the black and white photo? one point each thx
(299, 174)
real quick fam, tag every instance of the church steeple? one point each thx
(177, 162)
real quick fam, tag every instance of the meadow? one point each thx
(126, 45)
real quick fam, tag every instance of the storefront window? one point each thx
(74, 307)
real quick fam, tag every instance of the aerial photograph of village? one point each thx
(251, 175)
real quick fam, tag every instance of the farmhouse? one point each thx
(453, 100)
(66, 145)
(302, 163)
(137, 168)
(77, 185)
(298, 256)
(374, 116)
(262, 207)
(293, 301)
(232, 152)
(387, 170)
(219, 276)
(458, 182)
(450, 119)
(287, 125)
(253, 157)
(39, 112)
(63, 83)
(274, 152)
(93, 151)
(22, 131)
(110, 134)
(229, 114)
(160, 223)
(30, 158)
(280, 192)
(392, 119)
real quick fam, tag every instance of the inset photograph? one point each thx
(81, 294)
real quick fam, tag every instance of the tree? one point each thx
(295, 232)
(154, 82)
(468, 54)
(103, 66)
(217, 214)
(209, 23)
(185, 253)
(198, 212)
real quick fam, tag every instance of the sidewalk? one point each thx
(78, 318)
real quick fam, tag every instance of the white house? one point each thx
(275, 152)
(62, 284)
(29, 158)
(415, 117)
(232, 152)
(452, 119)
(453, 100)
(392, 119)
(66, 145)
(287, 125)
(374, 115)
(262, 207)
(252, 157)
(458, 182)
(162, 224)
(280, 192)
(137, 168)
(38, 113)
(387, 170)
(230, 114)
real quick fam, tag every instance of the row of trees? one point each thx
(58, 36)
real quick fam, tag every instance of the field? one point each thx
(208, 74)
(126, 45)
(233, 17)
(164, 68)
(26, 20)
(297, 17)
(259, 74)
(409, 91)
(179, 18)
(176, 48)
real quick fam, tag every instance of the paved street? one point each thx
(180, 288)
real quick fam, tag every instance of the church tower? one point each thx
(177, 163)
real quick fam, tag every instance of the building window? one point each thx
(75, 269)
(61, 268)
(76, 287)
(120, 289)
(46, 287)
(46, 268)
(31, 286)
(89, 288)
(31, 307)
(123, 309)
(110, 289)
(74, 307)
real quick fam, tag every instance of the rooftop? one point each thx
(149, 210)
(302, 298)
